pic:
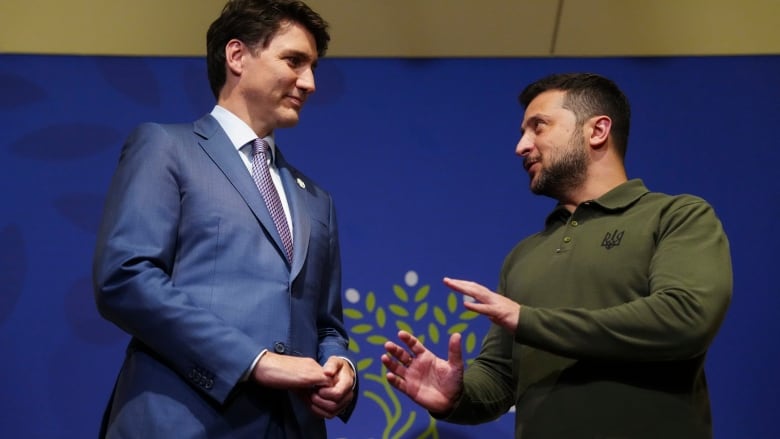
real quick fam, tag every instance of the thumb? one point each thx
(455, 352)
(332, 366)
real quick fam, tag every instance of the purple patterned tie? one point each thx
(262, 177)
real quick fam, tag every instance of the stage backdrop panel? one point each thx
(419, 155)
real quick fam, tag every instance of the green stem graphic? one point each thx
(394, 415)
(406, 426)
(431, 432)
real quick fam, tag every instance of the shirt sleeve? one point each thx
(488, 382)
(689, 284)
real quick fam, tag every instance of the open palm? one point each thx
(428, 380)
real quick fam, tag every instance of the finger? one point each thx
(335, 392)
(397, 353)
(461, 286)
(471, 289)
(477, 307)
(413, 343)
(455, 351)
(320, 412)
(397, 382)
(330, 407)
(332, 366)
(392, 365)
(316, 404)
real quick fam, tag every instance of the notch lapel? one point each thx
(216, 144)
(301, 217)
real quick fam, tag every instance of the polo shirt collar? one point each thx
(618, 198)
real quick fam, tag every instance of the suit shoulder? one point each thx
(154, 141)
(156, 129)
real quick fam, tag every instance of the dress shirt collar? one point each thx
(238, 131)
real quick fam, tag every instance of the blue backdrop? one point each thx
(419, 155)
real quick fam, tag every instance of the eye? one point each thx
(294, 61)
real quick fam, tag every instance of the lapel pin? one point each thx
(300, 183)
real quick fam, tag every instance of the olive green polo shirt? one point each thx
(620, 301)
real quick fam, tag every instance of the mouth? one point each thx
(529, 163)
(296, 101)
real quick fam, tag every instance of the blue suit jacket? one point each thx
(189, 263)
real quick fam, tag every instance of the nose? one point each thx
(524, 145)
(306, 81)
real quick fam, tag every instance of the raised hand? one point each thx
(428, 380)
(501, 310)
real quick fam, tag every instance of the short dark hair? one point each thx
(255, 22)
(588, 95)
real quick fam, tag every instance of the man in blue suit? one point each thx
(236, 320)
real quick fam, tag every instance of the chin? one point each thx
(288, 122)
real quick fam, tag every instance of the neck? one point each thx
(240, 109)
(597, 183)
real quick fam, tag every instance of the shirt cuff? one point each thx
(248, 372)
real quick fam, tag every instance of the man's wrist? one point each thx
(251, 369)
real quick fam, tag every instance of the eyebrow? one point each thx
(301, 54)
(536, 117)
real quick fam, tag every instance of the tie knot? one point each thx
(260, 146)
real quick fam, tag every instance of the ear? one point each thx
(599, 132)
(234, 56)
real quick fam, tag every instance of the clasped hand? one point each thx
(327, 390)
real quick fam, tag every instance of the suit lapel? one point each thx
(301, 217)
(221, 151)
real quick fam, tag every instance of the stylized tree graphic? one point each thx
(425, 317)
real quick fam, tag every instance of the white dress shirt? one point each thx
(241, 135)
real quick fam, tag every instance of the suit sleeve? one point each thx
(134, 261)
(333, 337)
(690, 289)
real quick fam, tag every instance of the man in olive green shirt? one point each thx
(601, 321)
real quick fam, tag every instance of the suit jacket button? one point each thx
(279, 347)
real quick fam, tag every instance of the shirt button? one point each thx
(279, 347)
(575, 224)
(567, 239)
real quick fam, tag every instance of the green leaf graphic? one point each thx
(433, 331)
(420, 312)
(403, 326)
(353, 346)
(399, 310)
(362, 328)
(438, 314)
(376, 339)
(370, 301)
(458, 327)
(452, 302)
(364, 364)
(471, 342)
(468, 315)
(422, 293)
(400, 293)
(381, 317)
(352, 313)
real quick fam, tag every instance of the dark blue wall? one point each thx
(419, 155)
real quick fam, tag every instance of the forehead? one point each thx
(293, 36)
(547, 101)
(547, 105)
